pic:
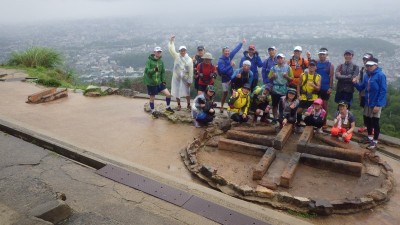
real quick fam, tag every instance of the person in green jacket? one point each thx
(154, 79)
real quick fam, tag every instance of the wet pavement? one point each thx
(117, 128)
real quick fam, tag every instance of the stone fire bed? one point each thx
(238, 163)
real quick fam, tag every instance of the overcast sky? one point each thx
(34, 11)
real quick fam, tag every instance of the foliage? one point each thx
(36, 57)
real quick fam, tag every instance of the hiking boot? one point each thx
(320, 131)
(302, 124)
(169, 110)
(196, 124)
(366, 140)
(362, 129)
(154, 115)
(371, 146)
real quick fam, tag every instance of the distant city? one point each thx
(99, 50)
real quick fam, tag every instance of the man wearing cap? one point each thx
(239, 104)
(154, 79)
(206, 72)
(182, 76)
(242, 76)
(252, 55)
(344, 122)
(315, 115)
(298, 65)
(344, 74)
(203, 107)
(308, 87)
(225, 69)
(197, 59)
(268, 64)
(375, 87)
(260, 102)
(280, 76)
(326, 70)
(363, 71)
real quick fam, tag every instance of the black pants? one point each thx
(239, 118)
(373, 123)
(314, 121)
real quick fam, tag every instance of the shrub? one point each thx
(36, 57)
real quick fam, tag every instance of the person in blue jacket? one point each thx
(375, 87)
(242, 76)
(252, 55)
(268, 63)
(225, 69)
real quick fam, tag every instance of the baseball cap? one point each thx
(252, 47)
(323, 51)
(247, 62)
(200, 47)
(318, 101)
(182, 47)
(344, 103)
(367, 56)
(158, 49)
(272, 47)
(372, 62)
(298, 48)
(292, 91)
(348, 51)
(247, 86)
(312, 62)
(280, 55)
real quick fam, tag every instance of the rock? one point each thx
(321, 207)
(285, 197)
(264, 192)
(207, 170)
(213, 142)
(61, 196)
(225, 125)
(93, 94)
(301, 201)
(219, 180)
(52, 211)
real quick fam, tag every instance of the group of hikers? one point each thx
(295, 90)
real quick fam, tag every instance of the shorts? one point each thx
(154, 90)
(202, 87)
(275, 99)
(323, 94)
(344, 96)
(368, 112)
(304, 104)
(260, 106)
(225, 87)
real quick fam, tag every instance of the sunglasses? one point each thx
(369, 65)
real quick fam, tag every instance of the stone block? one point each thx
(36, 97)
(332, 152)
(285, 197)
(321, 207)
(306, 136)
(265, 130)
(207, 170)
(290, 169)
(283, 136)
(386, 166)
(241, 147)
(257, 139)
(50, 97)
(265, 161)
(268, 184)
(52, 211)
(336, 165)
(334, 141)
(301, 201)
(245, 190)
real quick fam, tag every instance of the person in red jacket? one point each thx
(206, 73)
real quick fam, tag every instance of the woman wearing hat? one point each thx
(206, 73)
(239, 104)
(315, 115)
(288, 107)
(260, 102)
(182, 76)
(344, 122)
(203, 107)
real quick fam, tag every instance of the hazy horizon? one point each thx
(179, 11)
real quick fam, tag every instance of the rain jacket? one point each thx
(152, 77)
(375, 87)
(255, 63)
(225, 70)
(239, 103)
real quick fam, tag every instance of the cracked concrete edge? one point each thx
(96, 161)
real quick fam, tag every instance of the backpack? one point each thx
(201, 71)
(305, 81)
(303, 65)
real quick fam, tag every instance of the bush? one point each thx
(36, 57)
(49, 82)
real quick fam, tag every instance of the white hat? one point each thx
(157, 49)
(272, 47)
(247, 62)
(280, 55)
(207, 55)
(372, 62)
(182, 47)
(298, 48)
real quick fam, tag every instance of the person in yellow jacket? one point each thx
(308, 87)
(239, 104)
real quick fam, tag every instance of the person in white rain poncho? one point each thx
(182, 76)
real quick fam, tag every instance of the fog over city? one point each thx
(180, 11)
